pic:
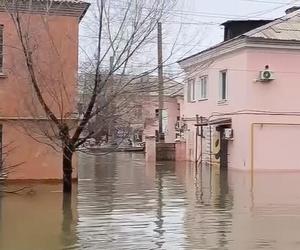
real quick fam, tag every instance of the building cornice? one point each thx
(253, 42)
(46, 7)
(213, 53)
(235, 45)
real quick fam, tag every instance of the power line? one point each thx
(208, 68)
(224, 15)
(178, 13)
(264, 2)
(260, 13)
(153, 42)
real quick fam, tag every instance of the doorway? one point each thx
(223, 146)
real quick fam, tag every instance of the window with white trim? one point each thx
(223, 86)
(203, 88)
(191, 93)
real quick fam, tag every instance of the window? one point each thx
(191, 90)
(203, 88)
(1, 48)
(223, 95)
(156, 113)
(139, 112)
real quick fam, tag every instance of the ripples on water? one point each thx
(123, 203)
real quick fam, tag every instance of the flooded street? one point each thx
(121, 203)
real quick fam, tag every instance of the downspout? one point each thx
(210, 152)
(196, 141)
(252, 154)
(201, 143)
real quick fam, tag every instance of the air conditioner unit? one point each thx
(228, 133)
(266, 76)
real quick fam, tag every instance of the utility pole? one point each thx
(112, 104)
(160, 81)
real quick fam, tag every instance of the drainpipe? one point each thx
(196, 147)
(201, 137)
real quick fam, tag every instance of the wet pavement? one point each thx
(123, 203)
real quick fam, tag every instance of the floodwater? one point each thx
(123, 203)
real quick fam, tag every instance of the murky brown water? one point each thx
(121, 203)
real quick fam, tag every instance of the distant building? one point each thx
(52, 30)
(133, 112)
(173, 100)
(245, 91)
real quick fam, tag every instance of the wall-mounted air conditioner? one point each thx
(266, 75)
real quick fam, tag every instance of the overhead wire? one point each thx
(218, 15)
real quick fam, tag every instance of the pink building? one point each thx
(246, 89)
(53, 32)
(173, 100)
(137, 107)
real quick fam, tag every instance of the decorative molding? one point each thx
(235, 45)
(213, 52)
(44, 7)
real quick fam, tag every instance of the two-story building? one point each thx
(136, 107)
(246, 92)
(172, 104)
(51, 30)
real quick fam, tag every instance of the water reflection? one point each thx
(162, 206)
(69, 222)
(37, 220)
(123, 203)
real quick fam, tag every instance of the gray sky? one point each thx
(194, 25)
(200, 21)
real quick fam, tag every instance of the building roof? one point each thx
(245, 21)
(76, 8)
(147, 84)
(286, 28)
(61, 1)
(171, 88)
(67, 1)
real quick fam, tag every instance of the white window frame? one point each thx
(223, 97)
(203, 87)
(191, 90)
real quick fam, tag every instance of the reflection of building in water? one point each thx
(97, 177)
(228, 211)
(117, 201)
(207, 220)
(37, 220)
(170, 209)
(123, 204)
(148, 204)
(143, 209)
(267, 213)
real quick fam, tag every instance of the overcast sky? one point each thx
(195, 25)
(200, 20)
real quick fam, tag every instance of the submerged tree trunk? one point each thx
(67, 169)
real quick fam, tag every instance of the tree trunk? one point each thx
(67, 169)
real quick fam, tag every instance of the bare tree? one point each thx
(121, 29)
(6, 169)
